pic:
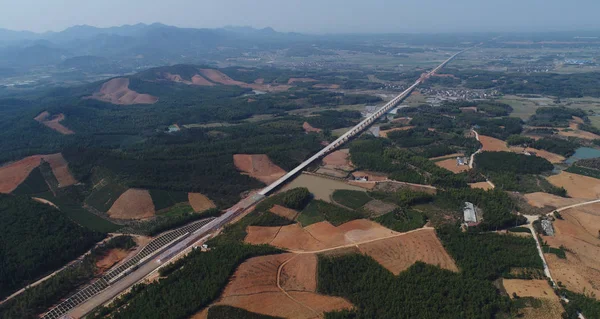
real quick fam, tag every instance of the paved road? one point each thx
(115, 289)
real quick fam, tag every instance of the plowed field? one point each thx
(577, 186)
(258, 166)
(116, 91)
(133, 204)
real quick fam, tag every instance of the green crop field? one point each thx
(351, 199)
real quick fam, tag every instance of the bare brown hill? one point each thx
(53, 122)
(116, 91)
(13, 174)
(258, 166)
(133, 204)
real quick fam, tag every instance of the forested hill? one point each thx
(36, 239)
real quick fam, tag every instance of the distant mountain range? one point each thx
(153, 43)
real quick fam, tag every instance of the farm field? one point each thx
(339, 159)
(322, 188)
(577, 186)
(539, 199)
(551, 157)
(254, 287)
(578, 234)
(492, 144)
(13, 174)
(398, 253)
(258, 166)
(200, 202)
(133, 204)
(284, 212)
(450, 164)
(481, 185)
(536, 288)
(318, 236)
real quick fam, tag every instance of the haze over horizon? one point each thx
(309, 16)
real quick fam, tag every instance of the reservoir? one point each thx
(583, 153)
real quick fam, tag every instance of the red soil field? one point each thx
(326, 86)
(133, 204)
(578, 233)
(60, 168)
(53, 122)
(399, 253)
(254, 287)
(219, 77)
(450, 164)
(199, 80)
(339, 158)
(328, 234)
(318, 236)
(13, 174)
(493, 144)
(292, 80)
(258, 166)
(577, 186)
(284, 212)
(199, 202)
(539, 199)
(362, 229)
(300, 274)
(116, 91)
(258, 235)
(309, 129)
(481, 185)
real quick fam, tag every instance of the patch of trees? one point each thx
(404, 197)
(318, 210)
(508, 162)
(588, 305)
(494, 108)
(189, 288)
(593, 163)
(331, 119)
(165, 222)
(565, 148)
(402, 165)
(351, 199)
(421, 291)
(525, 183)
(555, 116)
(36, 239)
(500, 128)
(590, 128)
(488, 256)
(402, 219)
(496, 205)
(520, 140)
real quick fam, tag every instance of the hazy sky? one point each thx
(311, 16)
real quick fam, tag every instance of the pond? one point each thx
(583, 153)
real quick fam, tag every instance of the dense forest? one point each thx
(508, 162)
(422, 291)
(36, 239)
(489, 256)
